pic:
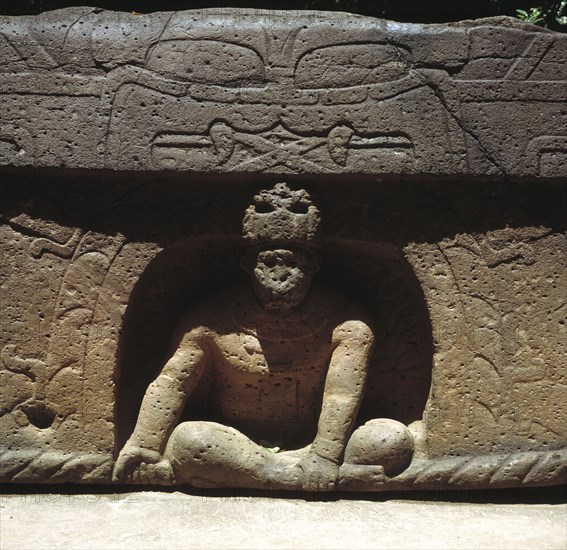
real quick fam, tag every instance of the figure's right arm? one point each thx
(162, 405)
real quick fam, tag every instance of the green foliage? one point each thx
(549, 14)
(270, 447)
(534, 16)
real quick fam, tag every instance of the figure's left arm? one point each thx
(353, 342)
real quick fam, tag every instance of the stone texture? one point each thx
(252, 91)
(430, 163)
(177, 520)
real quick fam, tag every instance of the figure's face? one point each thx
(281, 277)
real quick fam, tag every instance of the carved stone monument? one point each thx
(282, 250)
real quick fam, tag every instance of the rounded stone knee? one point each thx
(381, 442)
(207, 454)
(189, 440)
(191, 449)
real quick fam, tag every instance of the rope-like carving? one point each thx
(54, 467)
(520, 469)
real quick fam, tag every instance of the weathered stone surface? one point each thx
(422, 209)
(177, 520)
(253, 91)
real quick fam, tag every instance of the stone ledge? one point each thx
(89, 88)
(176, 520)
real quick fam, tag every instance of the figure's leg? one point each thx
(207, 454)
(381, 449)
(381, 442)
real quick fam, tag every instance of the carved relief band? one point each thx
(296, 251)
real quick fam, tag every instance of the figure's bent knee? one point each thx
(193, 440)
(207, 454)
(381, 442)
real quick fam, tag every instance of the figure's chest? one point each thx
(244, 353)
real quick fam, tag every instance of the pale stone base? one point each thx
(176, 520)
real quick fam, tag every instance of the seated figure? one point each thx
(288, 362)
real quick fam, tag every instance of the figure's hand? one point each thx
(158, 473)
(319, 473)
(130, 458)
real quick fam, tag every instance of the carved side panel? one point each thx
(497, 306)
(61, 337)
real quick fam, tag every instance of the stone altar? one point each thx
(141, 156)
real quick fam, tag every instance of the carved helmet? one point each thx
(282, 216)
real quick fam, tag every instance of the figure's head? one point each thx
(281, 233)
(281, 277)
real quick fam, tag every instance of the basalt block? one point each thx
(282, 250)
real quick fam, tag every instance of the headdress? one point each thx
(282, 216)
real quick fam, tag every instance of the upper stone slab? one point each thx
(226, 90)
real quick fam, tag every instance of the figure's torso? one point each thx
(270, 368)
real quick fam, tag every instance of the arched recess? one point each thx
(376, 275)
(379, 278)
(184, 273)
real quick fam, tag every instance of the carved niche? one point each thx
(355, 226)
